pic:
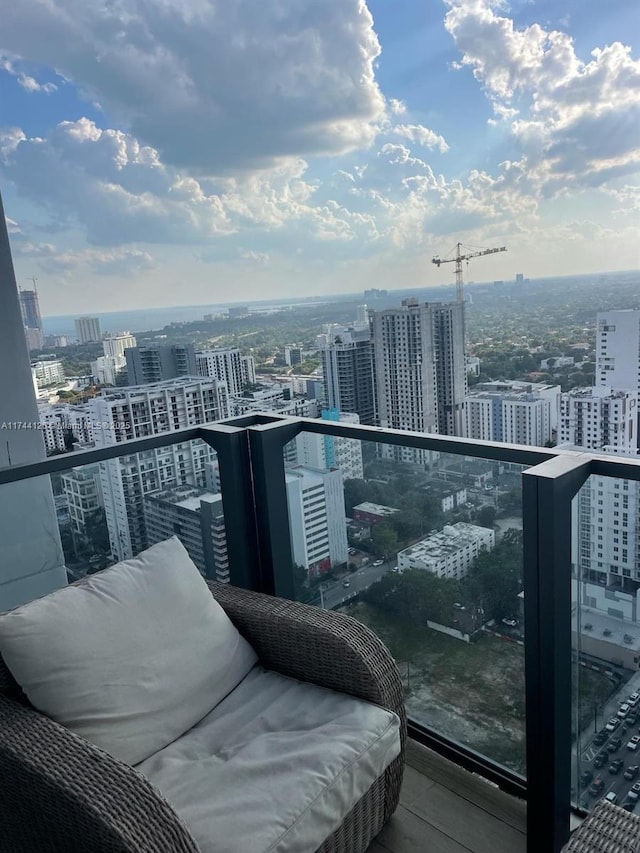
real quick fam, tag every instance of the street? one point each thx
(588, 750)
(334, 593)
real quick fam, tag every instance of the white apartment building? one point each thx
(88, 330)
(513, 418)
(618, 349)
(145, 410)
(107, 368)
(225, 365)
(541, 390)
(315, 499)
(48, 372)
(57, 421)
(329, 451)
(116, 344)
(196, 517)
(448, 553)
(594, 418)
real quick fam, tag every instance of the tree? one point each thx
(486, 516)
(301, 583)
(495, 578)
(385, 539)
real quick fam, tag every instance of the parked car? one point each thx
(634, 699)
(632, 771)
(612, 797)
(600, 759)
(586, 777)
(623, 710)
(632, 718)
(378, 562)
(616, 765)
(600, 737)
(597, 786)
(612, 724)
(614, 744)
(633, 742)
(395, 569)
(346, 583)
(510, 623)
(634, 791)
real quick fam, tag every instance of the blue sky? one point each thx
(155, 153)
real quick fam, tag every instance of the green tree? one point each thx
(495, 578)
(385, 539)
(486, 516)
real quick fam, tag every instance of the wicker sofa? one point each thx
(60, 793)
(608, 829)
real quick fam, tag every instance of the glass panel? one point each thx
(606, 642)
(111, 511)
(430, 556)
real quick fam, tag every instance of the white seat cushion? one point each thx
(276, 766)
(131, 657)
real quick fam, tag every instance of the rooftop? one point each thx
(449, 540)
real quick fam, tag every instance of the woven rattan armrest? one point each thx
(325, 648)
(608, 829)
(61, 794)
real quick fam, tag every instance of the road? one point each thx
(334, 593)
(616, 783)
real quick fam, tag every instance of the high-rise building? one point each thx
(108, 369)
(315, 499)
(196, 517)
(34, 338)
(293, 355)
(405, 367)
(515, 418)
(248, 364)
(598, 417)
(88, 330)
(116, 344)
(156, 362)
(331, 451)
(347, 364)
(451, 369)
(151, 410)
(30, 306)
(32, 562)
(48, 371)
(618, 352)
(224, 365)
(81, 487)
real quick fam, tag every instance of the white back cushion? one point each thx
(131, 657)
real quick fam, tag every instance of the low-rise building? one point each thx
(368, 512)
(448, 553)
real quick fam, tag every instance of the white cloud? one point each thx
(101, 262)
(215, 86)
(579, 122)
(422, 136)
(28, 83)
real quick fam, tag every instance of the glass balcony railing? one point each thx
(477, 563)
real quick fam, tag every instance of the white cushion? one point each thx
(276, 766)
(131, 657)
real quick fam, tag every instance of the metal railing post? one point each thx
(236, 485)
(548, 489)
(272, 515)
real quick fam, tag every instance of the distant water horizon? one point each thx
(150, 319)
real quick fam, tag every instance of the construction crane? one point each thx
(459, 258)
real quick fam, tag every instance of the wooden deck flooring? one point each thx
(444, 809)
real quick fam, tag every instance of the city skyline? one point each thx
(328, 150)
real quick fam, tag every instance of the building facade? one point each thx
(30, 307)
(88, 330)
(157, 363)
(108, 369)
(151, 410)
(315, 499)
(225, 365)
(594, 418)
(523, 418)
(116, 344)
(347, 365)
(196, 517)
(448, 553)
(48, 372)
(618, 353)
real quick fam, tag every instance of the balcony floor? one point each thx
(445, 809)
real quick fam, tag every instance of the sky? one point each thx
(170, 152)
